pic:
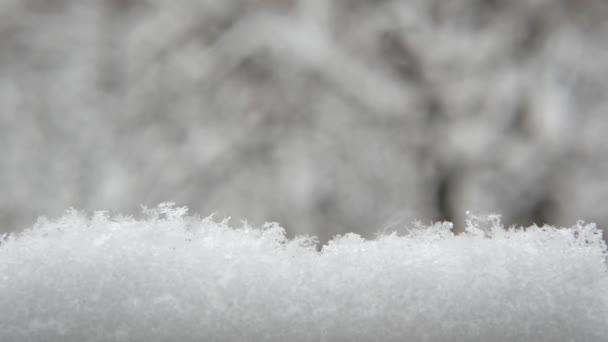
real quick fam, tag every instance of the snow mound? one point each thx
(175, 277)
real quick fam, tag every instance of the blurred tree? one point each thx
(325, 116)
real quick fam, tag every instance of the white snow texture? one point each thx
(174, 277)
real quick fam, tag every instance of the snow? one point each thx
(170, 276)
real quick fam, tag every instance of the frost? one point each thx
(171, 276)
(166, 210)
(482, 226)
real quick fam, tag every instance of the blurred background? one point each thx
(326, 116)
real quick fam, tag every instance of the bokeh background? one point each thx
(326, 116)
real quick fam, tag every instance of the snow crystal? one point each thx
(174, 277)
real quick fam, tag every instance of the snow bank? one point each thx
(174, 277)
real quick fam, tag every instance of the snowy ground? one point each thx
(173, 277)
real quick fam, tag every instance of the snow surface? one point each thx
(175, 277)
